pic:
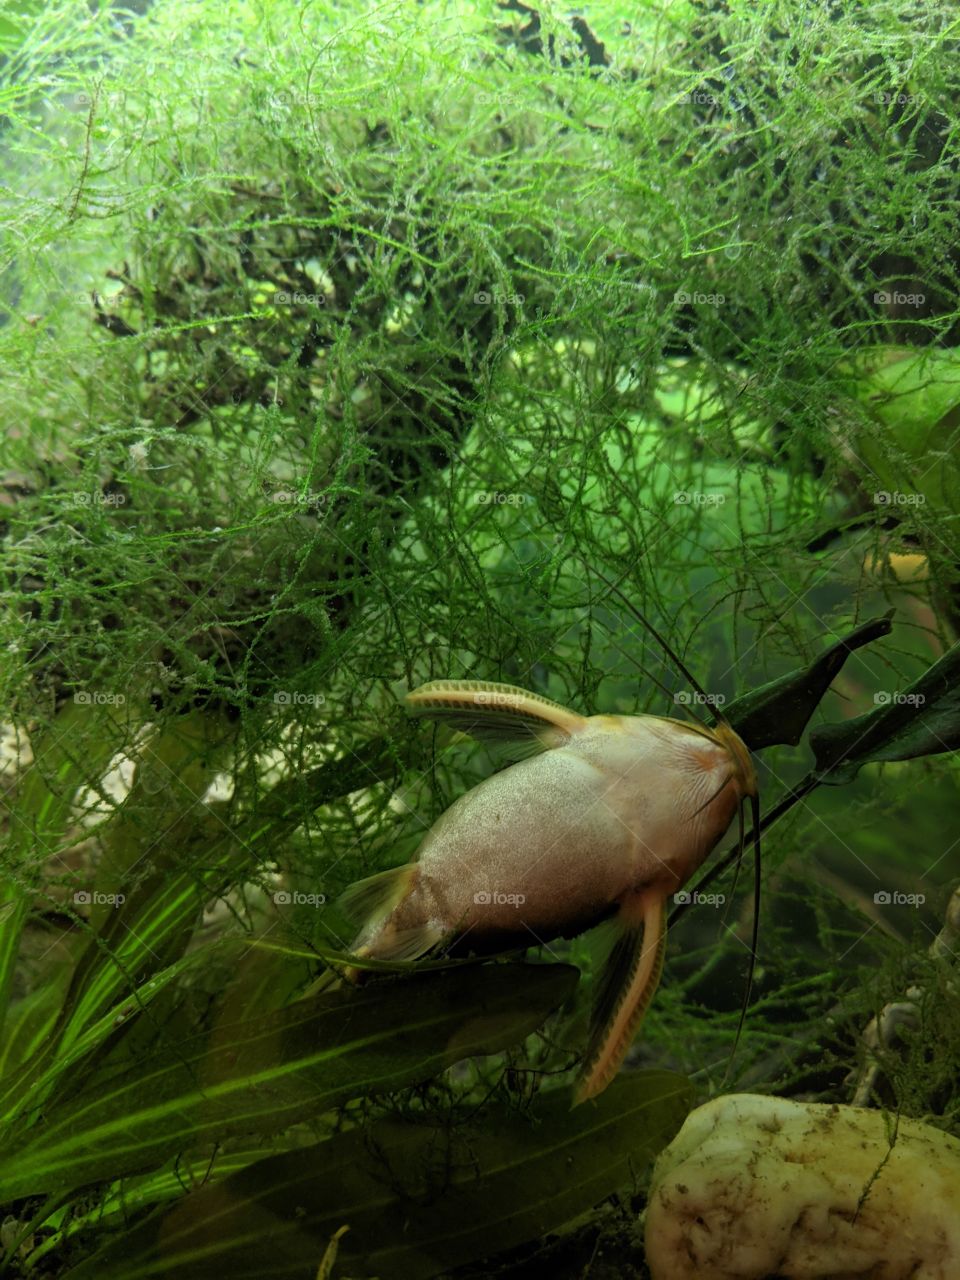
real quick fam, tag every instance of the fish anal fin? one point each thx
(499, 714)
(627, 986)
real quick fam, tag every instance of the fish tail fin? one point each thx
(628, 983)
(398, 945)
(375, 898)
(372, 902)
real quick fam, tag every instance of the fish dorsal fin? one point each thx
(501, 715)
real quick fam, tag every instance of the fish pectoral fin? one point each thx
(627, 985)
(498, 714)
(376, 897)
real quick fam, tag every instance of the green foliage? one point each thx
(778, 713)
(924, 720)
(916, 398)
(263, 1074)
(430, 1196)
(340, 348)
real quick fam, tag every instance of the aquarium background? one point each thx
(345, 347)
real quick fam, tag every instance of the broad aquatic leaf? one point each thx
(141, 1192)
(922, 720)
(914, 398)
(777, 713)
(418, 1198)
(265, 1074)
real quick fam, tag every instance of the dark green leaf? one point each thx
(136, 1194)
(914, 398)
(922, 720)
(263, 1075)
(778, 712)
(418, 1198)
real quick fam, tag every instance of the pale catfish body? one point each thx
(608, 815)
(554, 844)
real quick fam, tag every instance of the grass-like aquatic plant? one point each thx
(347, 348)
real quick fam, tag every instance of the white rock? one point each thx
(753, 1187)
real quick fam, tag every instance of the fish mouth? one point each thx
(744, 774)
